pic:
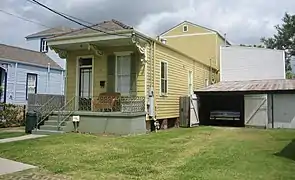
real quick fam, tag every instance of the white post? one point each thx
(15, 81)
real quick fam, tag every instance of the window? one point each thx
(190, 83)
(31, 84)
(164, 78)
(85, 65)
(43, 46)
(123, 74)
(185, 28)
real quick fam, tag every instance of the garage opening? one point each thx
(222, 110)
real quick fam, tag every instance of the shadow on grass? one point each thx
(288, 151)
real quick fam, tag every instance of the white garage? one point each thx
(258, 103)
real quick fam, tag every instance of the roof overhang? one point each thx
(91, 37)
(224, 93)
(271, 86)
(96, 42)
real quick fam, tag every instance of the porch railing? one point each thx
(124, 104)
(65, 112)
(53, 104)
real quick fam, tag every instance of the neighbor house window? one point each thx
(164, 78)
(43, 46)
(185, 28)
(31, 84)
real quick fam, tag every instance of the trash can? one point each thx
(31, 121)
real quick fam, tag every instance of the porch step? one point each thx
(46, 132)
(51, 127)
(53, 118)
(53, 123)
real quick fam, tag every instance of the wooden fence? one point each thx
(35, 101)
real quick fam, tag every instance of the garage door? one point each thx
(284, 110)
(256, 110)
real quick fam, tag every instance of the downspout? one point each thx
(48, 78)
(154, 81)
(62, 82)
(15, 81)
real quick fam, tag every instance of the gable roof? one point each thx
(50, 32)
(106, 26)
(12, 53)
(193, 24)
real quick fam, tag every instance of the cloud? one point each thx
(244, 21)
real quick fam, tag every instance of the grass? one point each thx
(4, 135)
(199, 153)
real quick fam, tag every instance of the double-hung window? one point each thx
(123, 74)
(43, 46)
(164, 78)
(31, 84)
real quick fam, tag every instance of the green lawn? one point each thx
(199, 153)
(4, 135)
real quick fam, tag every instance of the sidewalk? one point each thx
(9, 166)
(20, 138)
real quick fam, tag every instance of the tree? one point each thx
(256, 46)
(283, 39)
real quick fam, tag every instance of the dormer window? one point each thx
(185, 28)
(43, 46)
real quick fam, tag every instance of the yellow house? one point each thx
(197, 41)
(111, 57)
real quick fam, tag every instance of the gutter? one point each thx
(66, 37)
(27, 63)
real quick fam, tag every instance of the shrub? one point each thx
(11, 115)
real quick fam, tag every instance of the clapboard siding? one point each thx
(178, 70)
(17, 78)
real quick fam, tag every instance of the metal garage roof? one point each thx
(250, 86)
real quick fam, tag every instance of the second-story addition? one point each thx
(196, 41)
(38, 40)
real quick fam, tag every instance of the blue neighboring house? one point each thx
(24, 71)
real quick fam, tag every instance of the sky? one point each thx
(244, 21)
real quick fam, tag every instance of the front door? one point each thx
(85, 84)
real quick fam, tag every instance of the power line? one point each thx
(24, 19)
(79, 19)
(72, 20)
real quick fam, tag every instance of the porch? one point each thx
(101, 70)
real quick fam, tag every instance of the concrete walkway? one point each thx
(8, 166)
(21, 138)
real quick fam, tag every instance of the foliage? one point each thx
(11, 115)
(256, 46)
(284, 39)
(290, 75)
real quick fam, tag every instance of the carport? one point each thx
(258, 103)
